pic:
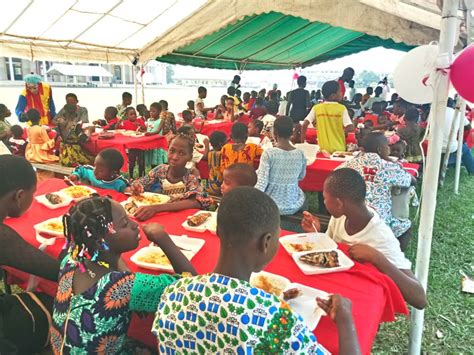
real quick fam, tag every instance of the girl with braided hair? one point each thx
(96, 292)
(172, 179)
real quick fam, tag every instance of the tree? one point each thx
(169, 74)
(367, 78)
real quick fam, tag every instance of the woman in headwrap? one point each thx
(37, 95)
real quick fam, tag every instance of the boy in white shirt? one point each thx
(353, 223)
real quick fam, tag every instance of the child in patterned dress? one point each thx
(154, 157)
(221, 312)
(217, 141)
(172, 179)
(97, 292)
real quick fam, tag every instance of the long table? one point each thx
(316, 173)
(374, 296)
(122, 143)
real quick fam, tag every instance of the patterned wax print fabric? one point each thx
(380, 177)
(215, 174)
(96, 321)
(156, 181)
(217, 314)
(247, 155)
(40, 147)
(411, 135)
(169, 123)
(154, 157)
(278, 176)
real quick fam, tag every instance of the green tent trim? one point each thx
(274, 41)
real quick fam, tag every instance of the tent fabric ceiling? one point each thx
(115, 31)
(274, 41)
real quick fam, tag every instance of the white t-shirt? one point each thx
(268, 121)
(376, 234)
(199, 113)
(447, 129)
(346, 119)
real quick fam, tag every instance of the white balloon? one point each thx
(411, 76)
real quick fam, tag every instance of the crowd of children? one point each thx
(256, 171)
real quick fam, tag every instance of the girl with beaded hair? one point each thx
(97, 292)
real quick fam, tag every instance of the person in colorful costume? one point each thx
(37, 95)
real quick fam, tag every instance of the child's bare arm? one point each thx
(146, 212)
(409, 286)
(156, 233)
(304, 128)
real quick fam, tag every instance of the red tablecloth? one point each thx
(121, 143)
(312, 135)
(374, 296)
(316, 173)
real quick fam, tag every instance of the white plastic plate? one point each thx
(278, 281)
(345, 263)
(188, 246)
(66, 192)
(46, 240)
(209, 225)
(310, 151)
(305, 304)
(43, 228)
(44, 201)
(321, 241)
(163, 199)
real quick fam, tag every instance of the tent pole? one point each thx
(142, 72)
(452, 131)
(135, 84)
(449, 25)
(457, 172)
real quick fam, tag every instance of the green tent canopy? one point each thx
(274, 41)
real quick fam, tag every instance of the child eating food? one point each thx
(371, 240)
(104, 174)
(237, 317)
(239, 151)
(97, 292)
(40, 146)
(281, 168)
(110, 121)
(172, 179)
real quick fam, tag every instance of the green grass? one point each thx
(452, 250)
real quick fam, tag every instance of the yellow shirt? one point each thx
(330, 120)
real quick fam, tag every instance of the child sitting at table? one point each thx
(110, 120)
(371, 240)
(104, 174)
(213, 157)
(190, 107)
(154, 157)
(398, 150)
(16, 141)
(238, 174)
(23, 316)
(97, 292)
(201, 148)
(281, 169)
(239, 151)
(255, 129)
(142, 110)
(172, 179)
(331, 120)
(132, 123)
(40, 147)
(232, 316)
(411, 134)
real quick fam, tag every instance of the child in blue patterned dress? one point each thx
(281, 168)
(104, 174)
(221, 312)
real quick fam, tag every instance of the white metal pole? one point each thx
(135, 84)
(449, 25)
(457, 172)
(142, 83)
(10, 66)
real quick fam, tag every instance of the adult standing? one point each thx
(385, 88)
(37, 95)
(298, 101)
(346, 77)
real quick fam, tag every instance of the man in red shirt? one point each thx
(347, 76)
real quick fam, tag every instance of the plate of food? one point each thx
(106, 135)
(153, 258)
(342, 156)
(268, 282)
(322, 261)
(302, 300)
(133, 133)
(296, 243)
(130, 207)
(52, 226)
(201, 221)
(77, 192)
(149, 199)
(53, 200)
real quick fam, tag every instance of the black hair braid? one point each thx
(85, 227)
(190, 140)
